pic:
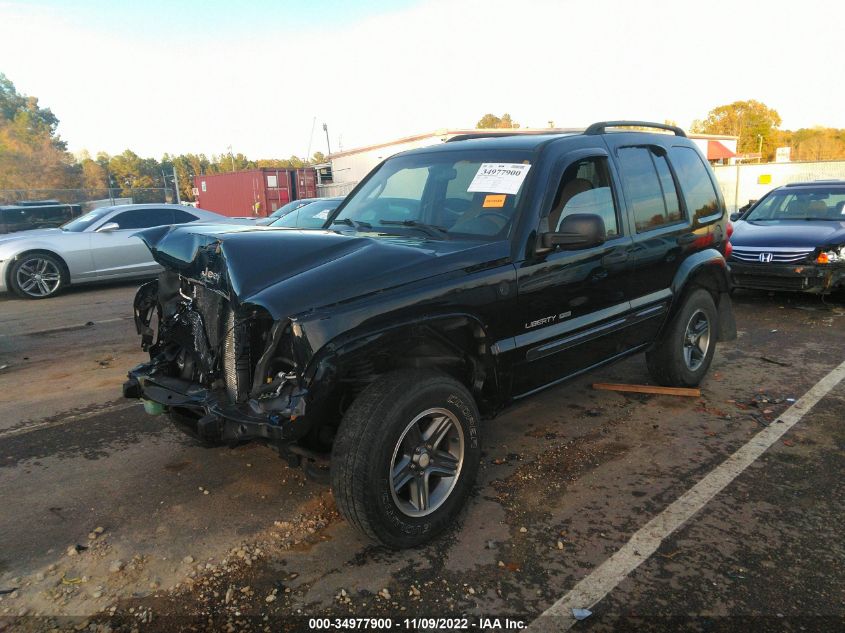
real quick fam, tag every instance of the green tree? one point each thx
(753, 122)
(32, 155)
(490, 121)
(817, 143)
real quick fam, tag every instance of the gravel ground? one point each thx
(119, 521)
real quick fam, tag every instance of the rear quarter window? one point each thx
(696, 185)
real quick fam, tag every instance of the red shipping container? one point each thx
(255, 192)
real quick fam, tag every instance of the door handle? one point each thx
(687, 238)
(616, 257)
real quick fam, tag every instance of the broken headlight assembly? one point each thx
(831, 255)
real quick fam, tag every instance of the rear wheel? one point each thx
(37, 276)
(684, 352)
(406, 456)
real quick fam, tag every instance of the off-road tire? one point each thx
(362, 455)
(665, 360)
(56, 266)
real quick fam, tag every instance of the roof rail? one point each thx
(472, 135)
(822, 181)
(600, 127)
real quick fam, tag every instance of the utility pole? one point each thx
(760, 147)
(176, 185)
(232, 156)
(328, 144)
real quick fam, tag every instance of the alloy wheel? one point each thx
(38, 277)
(696, 340)
(427, 462)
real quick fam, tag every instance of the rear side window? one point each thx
(696, 186)
(180, 217)
(143, 218)
(648, 183)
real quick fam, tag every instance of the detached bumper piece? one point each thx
(812, 278)
(210, 417)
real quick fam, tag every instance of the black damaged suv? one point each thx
(452, 281)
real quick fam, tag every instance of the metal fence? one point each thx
(89, 198)
(741, 183)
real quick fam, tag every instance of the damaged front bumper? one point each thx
(812, 278)
(215, 419)
(195, 372)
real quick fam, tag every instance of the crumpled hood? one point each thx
(22, 235)
(798, 233)
(290, 271)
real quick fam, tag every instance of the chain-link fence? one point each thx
(89, 198)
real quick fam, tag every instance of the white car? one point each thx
(98, 246)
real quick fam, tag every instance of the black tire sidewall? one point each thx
(13, 275)
(698, 299)
(390, 524)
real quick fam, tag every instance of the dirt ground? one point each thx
(111, 518)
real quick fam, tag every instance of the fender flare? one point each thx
(326, 358)
(712, 263)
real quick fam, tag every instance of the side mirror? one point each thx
(108, 227)
(735, 216)
(577, 231)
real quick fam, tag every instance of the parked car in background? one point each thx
(309, 216)
(25, 216)
(792, 239)
(452, 281)
(100, 245)
(290, 207)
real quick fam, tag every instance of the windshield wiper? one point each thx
(355, 224)
(431, 229)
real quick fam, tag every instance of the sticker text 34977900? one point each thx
(499, 178)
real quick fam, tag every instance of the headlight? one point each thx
(832, 256)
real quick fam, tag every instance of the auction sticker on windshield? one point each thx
(499, 177)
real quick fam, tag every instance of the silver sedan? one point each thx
(98, 246)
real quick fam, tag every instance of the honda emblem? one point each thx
(765, 257)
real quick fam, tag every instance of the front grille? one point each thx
(779, 254)
(772, 283)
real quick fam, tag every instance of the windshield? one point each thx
(84, 221)
(309, 216)
(807, 204)
(290, 206)
(462, 194)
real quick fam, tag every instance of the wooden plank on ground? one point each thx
(664, 391)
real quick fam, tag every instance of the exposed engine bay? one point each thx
(232, 375)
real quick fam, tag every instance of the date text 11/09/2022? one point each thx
(413, 624)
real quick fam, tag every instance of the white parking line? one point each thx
(589, 591)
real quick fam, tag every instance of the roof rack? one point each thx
(481, 134)
(822, 181)
(601, 126)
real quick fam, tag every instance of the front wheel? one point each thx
(684, 352)
(37, 276)
(406, 456)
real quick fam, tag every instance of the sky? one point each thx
(159, 76)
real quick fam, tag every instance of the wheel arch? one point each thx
(34, 251)
(455, 343)
(706, 269)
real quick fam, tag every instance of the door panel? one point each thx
(662, 232)
(572, 304)
(119, 253)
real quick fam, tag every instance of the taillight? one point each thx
(729, 230)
